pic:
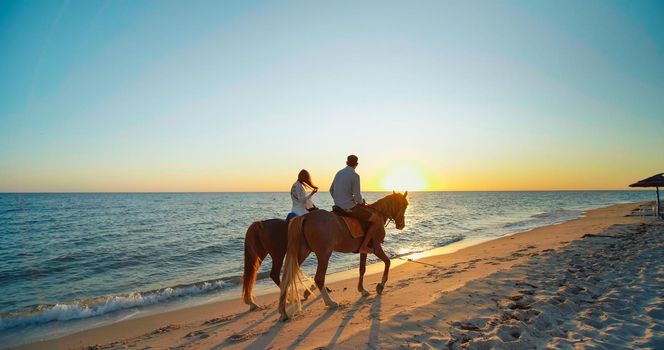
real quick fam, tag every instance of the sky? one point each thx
(106, 96)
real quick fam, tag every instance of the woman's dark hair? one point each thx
(305, 179)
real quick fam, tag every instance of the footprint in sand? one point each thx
(219, 319)
(466, 326)
(519, 306)
(403, 284)
(238, 337)
(199, 334)
(515, 297)
(165, 329)
(521, 283)
(194, 333)
(508, 333)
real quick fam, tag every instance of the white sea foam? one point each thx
(103, 305)
(560, 214)
(543, 219)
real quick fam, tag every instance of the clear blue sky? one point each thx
(216, 95)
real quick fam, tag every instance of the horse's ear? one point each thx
(405, 194)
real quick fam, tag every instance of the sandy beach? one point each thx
(593, 282)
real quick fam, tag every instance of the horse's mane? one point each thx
(387, 206)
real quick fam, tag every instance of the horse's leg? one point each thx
(321, 270)
(307, 292)
(378, 250)
(363, 269)
(277, 262)
(254, 254)
(261, 256)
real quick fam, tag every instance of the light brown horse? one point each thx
(322, 233)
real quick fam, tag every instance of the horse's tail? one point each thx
(292, 273)
(251, 261)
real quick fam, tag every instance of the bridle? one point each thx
(386, 215)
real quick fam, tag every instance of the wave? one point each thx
(558, 214)
(449, 240)
(441, 243)
(543, 219)
(97, 306)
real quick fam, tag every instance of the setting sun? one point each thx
(404, 178)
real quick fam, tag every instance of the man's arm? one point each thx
(355, 188)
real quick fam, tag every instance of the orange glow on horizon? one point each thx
(403, 178)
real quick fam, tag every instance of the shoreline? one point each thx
(168, 329)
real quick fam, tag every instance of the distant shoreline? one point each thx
(323, 191)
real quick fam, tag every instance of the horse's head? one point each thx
(393, 207)
(400, 212)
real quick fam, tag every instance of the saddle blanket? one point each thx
(354, 226)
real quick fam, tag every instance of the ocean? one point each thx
(75, 261)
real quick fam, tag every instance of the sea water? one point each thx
(74, 261)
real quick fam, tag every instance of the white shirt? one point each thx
(345, 189)
(301, 200)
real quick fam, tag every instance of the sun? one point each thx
(403, 178)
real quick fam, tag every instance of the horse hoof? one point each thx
(364, 292)
(284, 318)
(379, 288)
(328, 290)
(333, 306)
(306, 295)
(254, 307)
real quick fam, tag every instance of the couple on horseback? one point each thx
(320, 232)
(348, 201)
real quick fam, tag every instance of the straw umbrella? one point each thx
(656, 181)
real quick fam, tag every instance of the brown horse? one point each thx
(262, 238)
(322, 233)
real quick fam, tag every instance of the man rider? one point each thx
(345, 191)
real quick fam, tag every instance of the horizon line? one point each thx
(372, 191)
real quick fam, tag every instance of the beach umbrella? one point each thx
(656, 181)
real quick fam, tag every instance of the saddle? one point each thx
(355, 227)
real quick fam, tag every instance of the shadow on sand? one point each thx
(344, 321)
(265, 338)
(374, 331)
(311, 328)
